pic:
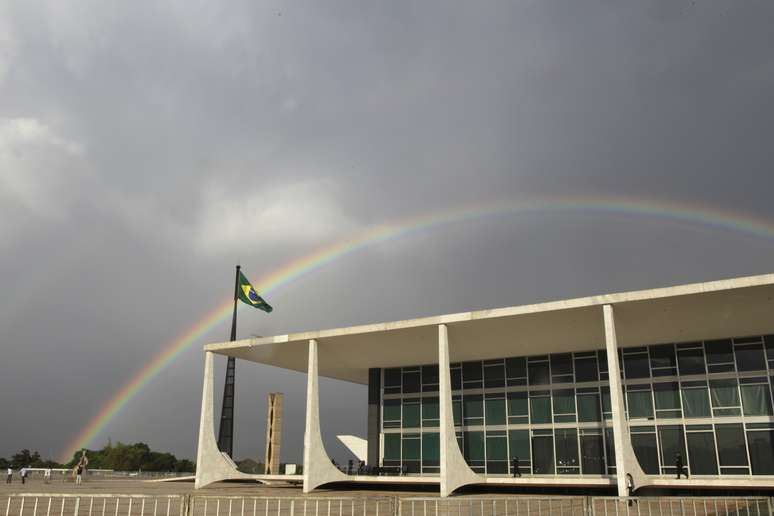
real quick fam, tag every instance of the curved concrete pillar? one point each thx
(318, 469)
(455, 472)
(625, 459)
(211, 465)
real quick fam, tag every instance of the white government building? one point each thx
(596, 392)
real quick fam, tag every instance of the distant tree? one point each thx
(4, 463)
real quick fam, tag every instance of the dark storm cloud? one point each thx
(146, 147)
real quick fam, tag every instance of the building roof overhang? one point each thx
(699, 311)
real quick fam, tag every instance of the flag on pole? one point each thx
(249, 296)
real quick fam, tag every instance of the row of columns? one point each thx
(213, 466)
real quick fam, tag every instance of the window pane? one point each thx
(761, 451)
(494, 375)
(542, 455)
(431, 454)
(392, 377)
(538, 373)
(391, 446)
(392, 410)
(701, 453)
(411, 449)
(724, 393)
(564, 401)
(474, 446)
(591, 454)
(561, 365)
(567, 450)
(731, 448)
(457, 412)
(672, 443)
(586, 370)
(429, 374)
(756, 400)
(609, 447)
(640, 404)
(588, 407)
(430, 409)
(696, 402)
(719, 351)
(473, 410)
(517, 404)
(496, 447)
(411, 413)
(645, 449)
(471, 371)
(607, 407)
(456, 379)
(690, 361)
(667, 395)
(516, 367)
(662, 355)
(495, 411)
(636, 366)
(750, 357)
(411, 382)
(519, 444)
(540, 409)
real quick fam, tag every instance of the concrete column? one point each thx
(318, 469)
(211, 464)
(625, 460)
(455, 472)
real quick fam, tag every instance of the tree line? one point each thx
(120, 457)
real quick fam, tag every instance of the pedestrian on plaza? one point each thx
(78, 475)
(23, 474)
(47, 475)
(9, 476)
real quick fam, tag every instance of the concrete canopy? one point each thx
(700, 311)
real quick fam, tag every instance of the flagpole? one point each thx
(226, 431)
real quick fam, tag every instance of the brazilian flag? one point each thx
(249, 296)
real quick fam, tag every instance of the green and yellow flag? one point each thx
(249, 296)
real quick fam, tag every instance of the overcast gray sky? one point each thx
(146, 147)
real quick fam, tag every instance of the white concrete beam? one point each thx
(455, 472)
(625, 460)
(318, 469)
(211, 465)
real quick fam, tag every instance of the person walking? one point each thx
(23, 474)
(9, 476)
(78, 475)
(47, 475)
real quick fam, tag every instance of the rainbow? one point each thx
(682, 212)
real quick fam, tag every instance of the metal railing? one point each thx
(684, 506)
(290, 506)
(510, 506)
(45, 504)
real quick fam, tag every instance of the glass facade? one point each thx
(710, 402)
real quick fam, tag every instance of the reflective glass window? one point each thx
(607, 408)
(761, 444)
(473, 409)
(495, 410)
(496, 453)
(539, 407)
(756, 399)
(696, 401)
(473, 446)
(518, 442)
(720, 355)
(391, 413)
(472, 374)
(392, 377)
(391, 446)
(701, 453)
(566, 440)
(516, 367)
(538, 373)
(430, 377)
(639, 401)
(591, 454)
(456, 378)
(543, 454)
(561, 368)
(667, 397)
(494, 375)
(411, 413)
(457, 410)
(430, 412)
(644, 445)
(589, 407)
(609, 449)
(564, 405)
(690, 361)
(672, 443)
(750, 357)
(731, 448)
(725, 397)
(636, 364)
(431, 454)
(662, 360)
(411, 381)
(586, 369)
(518, 408)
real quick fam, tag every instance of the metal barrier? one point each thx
(510, 506)
(45, 504)
(290, 506)
(685, 506)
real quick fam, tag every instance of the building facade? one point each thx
(616, 390)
